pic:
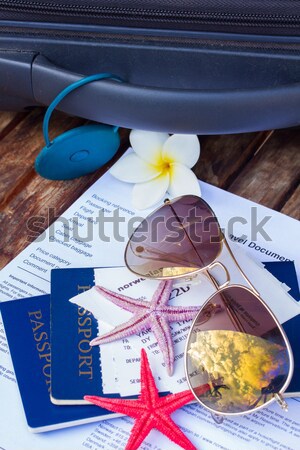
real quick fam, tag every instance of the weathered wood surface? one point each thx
(292, 206)
(24, 194)
(8, 121)
(273, 174)
(224, 157)
(264, 167)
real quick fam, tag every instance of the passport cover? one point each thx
(27, 327)
(75, 365)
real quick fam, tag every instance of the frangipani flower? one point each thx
(158, 164)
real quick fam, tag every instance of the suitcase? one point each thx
(199, 66)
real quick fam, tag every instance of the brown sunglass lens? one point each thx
(237, 348)
(179, 238)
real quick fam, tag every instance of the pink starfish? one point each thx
(155, 314)
(150, 410)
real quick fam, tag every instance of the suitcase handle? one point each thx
(169, 110)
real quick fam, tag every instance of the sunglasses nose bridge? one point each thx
(213, 279)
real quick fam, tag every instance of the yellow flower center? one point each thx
(165, 166)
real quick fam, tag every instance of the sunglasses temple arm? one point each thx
(240, 269)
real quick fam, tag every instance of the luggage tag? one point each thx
(81, 150)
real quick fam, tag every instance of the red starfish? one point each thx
(150, 410)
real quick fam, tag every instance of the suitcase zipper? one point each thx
(155, 15)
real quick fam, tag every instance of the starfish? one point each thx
(155, 315)
(150, 410)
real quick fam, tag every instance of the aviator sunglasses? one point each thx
(235, 344)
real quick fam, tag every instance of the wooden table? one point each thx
(264, 167)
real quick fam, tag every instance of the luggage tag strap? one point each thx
(81, 150)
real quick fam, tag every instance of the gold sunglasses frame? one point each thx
(276, 397)
(188, 277)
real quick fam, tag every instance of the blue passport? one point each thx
(31, 355)
(75, 365)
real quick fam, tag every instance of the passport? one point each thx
(76, 369)
(75, 365)
(27, 327)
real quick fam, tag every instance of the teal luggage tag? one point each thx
(81, 150)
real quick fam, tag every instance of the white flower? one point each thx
(158, 164)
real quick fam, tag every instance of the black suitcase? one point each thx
(199, 66)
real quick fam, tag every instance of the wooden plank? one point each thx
(223, 157)
(273, 173)
(44, 199)
(20, 147)
(292, 206)
(5, 118)
(8, 120)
